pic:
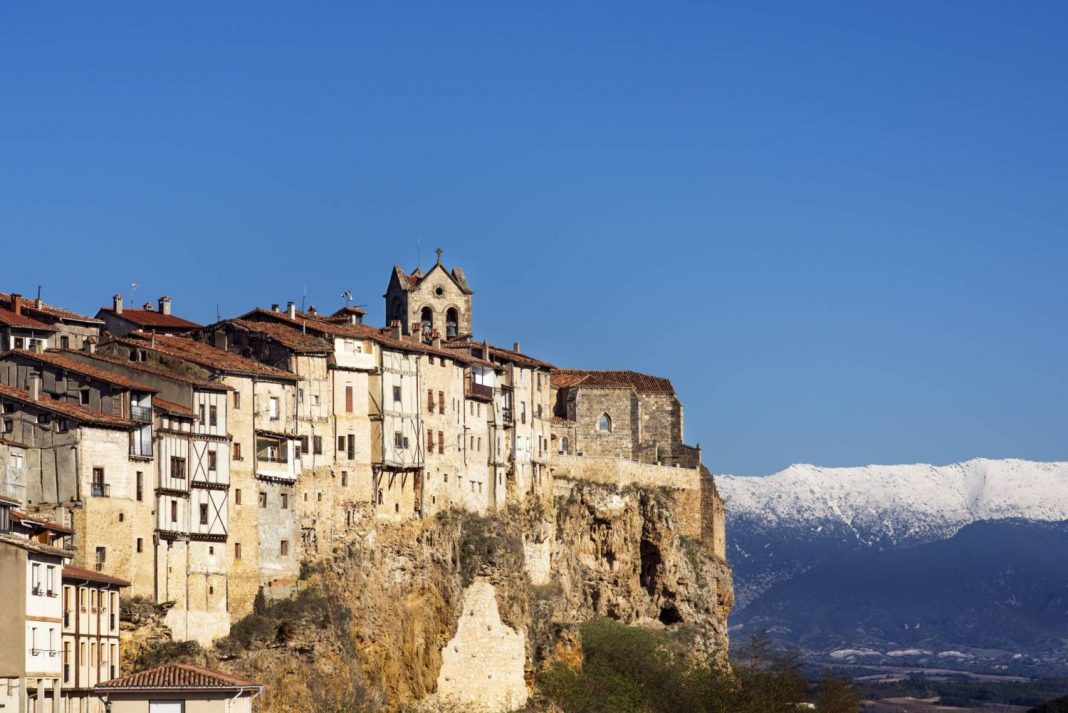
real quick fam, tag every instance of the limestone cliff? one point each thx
(468, 609)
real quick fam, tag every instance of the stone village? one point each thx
(143, 454)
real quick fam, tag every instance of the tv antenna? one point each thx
(133, 291)
(347, 296)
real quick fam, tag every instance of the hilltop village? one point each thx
(204, 466)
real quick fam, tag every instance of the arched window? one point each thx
(451, 326)
(563, 445)
(427, 318)
(604, 424)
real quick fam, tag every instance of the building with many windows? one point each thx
(90, 636)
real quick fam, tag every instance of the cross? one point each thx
(438, 251)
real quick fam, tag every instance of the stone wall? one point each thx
(622, 472)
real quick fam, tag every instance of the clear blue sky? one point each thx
(841, 229)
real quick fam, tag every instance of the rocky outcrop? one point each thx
(469, 609)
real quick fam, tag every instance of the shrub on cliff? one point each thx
(628, 669)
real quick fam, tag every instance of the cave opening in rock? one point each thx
(651, 560)
(669, 614)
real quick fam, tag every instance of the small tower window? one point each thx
(427, 319)
(604, 424)
(451, 323)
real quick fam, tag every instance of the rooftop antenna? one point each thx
(133, 290)
(418, 254)
(347, 296)
(304, 297)
(38, 293)
(218, 315)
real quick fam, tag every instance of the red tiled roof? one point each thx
(40, 522)
(151, 318)
(11, 501)
(30, 305)
(204, 355)
(177, 676)
(65, 408)
(287, 336)
(348, 311)
(21, 321)
(171, 407)
(149, 369)
(73, 573)
(34, 546)
(61, 360)
(499, 353)
(643, 383)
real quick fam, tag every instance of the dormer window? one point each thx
(604, 424)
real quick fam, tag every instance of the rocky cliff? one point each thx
(461, 609)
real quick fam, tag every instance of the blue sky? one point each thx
(839, 228)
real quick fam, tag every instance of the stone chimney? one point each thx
(291, 310)
(312, 310)
(147, 306)
(37, 346)
(395, 329)
(89, 345)
(116, 304)
(515, 347)
(16, 303)
(165, 305)
(35, 386)
(275, 308)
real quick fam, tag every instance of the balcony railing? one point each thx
(264, 458)
(101, 490)
(141, 450)
(479, 391)
(141, 413)
(507, 417)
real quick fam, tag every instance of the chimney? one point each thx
(395, 329)
(312, 310)
(16, 303)
(147, 306)
(274, 308)
(437, 341)
(36, 346)
(291, 310)
(515, 347)
(89, 346)
(116, 304)
(165, 305)
(35, 386)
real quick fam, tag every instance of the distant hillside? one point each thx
(994, 585)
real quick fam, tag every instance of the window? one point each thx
(344, 478)
(319, 497)
(203, 414)
(237, 550)
(430, 400)
(213, 458)
(341, 443)
(441, 442)
(272, 408)
(304, 442)
(352, 447)
(604, 424)
(174, 511)
(317, 445)
(35, 578)
(177, 467)
(522, 411)
(263, 499)
(429, 441)
(50, 581)
(284, 549)
(213, 416)
(427, 319)
(285, 501)
(398, 439)
(140, 485)
(237, 400)
(140, 544)
(203, 514)
(237, 496)
(237, 451)
(101, 556)
(84, 397)
(397, 394)
(441, 401)
(563, 445)
(451, 326)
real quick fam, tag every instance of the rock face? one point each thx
(470, 609)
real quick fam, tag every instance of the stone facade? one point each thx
(437, 303)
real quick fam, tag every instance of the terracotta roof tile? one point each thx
(287, 336)
(21, 321)
(30, 305)
(65, 408)
(176, 677)
(148, 369)
(172, 407)
(63, 361)
(204, 355)
(643, 383)
(34, 546)
(25, 517)
(10, 501)
(151, 318)
(75, 573)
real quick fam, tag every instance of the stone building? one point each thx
(31, 676)
(261, 416)
(178, 688)
(619, 413)
(90, 636)
(120, 320)
(436, 302)
(27, 322)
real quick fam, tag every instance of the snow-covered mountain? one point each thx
(785, 523)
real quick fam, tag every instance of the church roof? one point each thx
(642, 383)
(410, 281)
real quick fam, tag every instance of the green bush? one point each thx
(168, 651)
